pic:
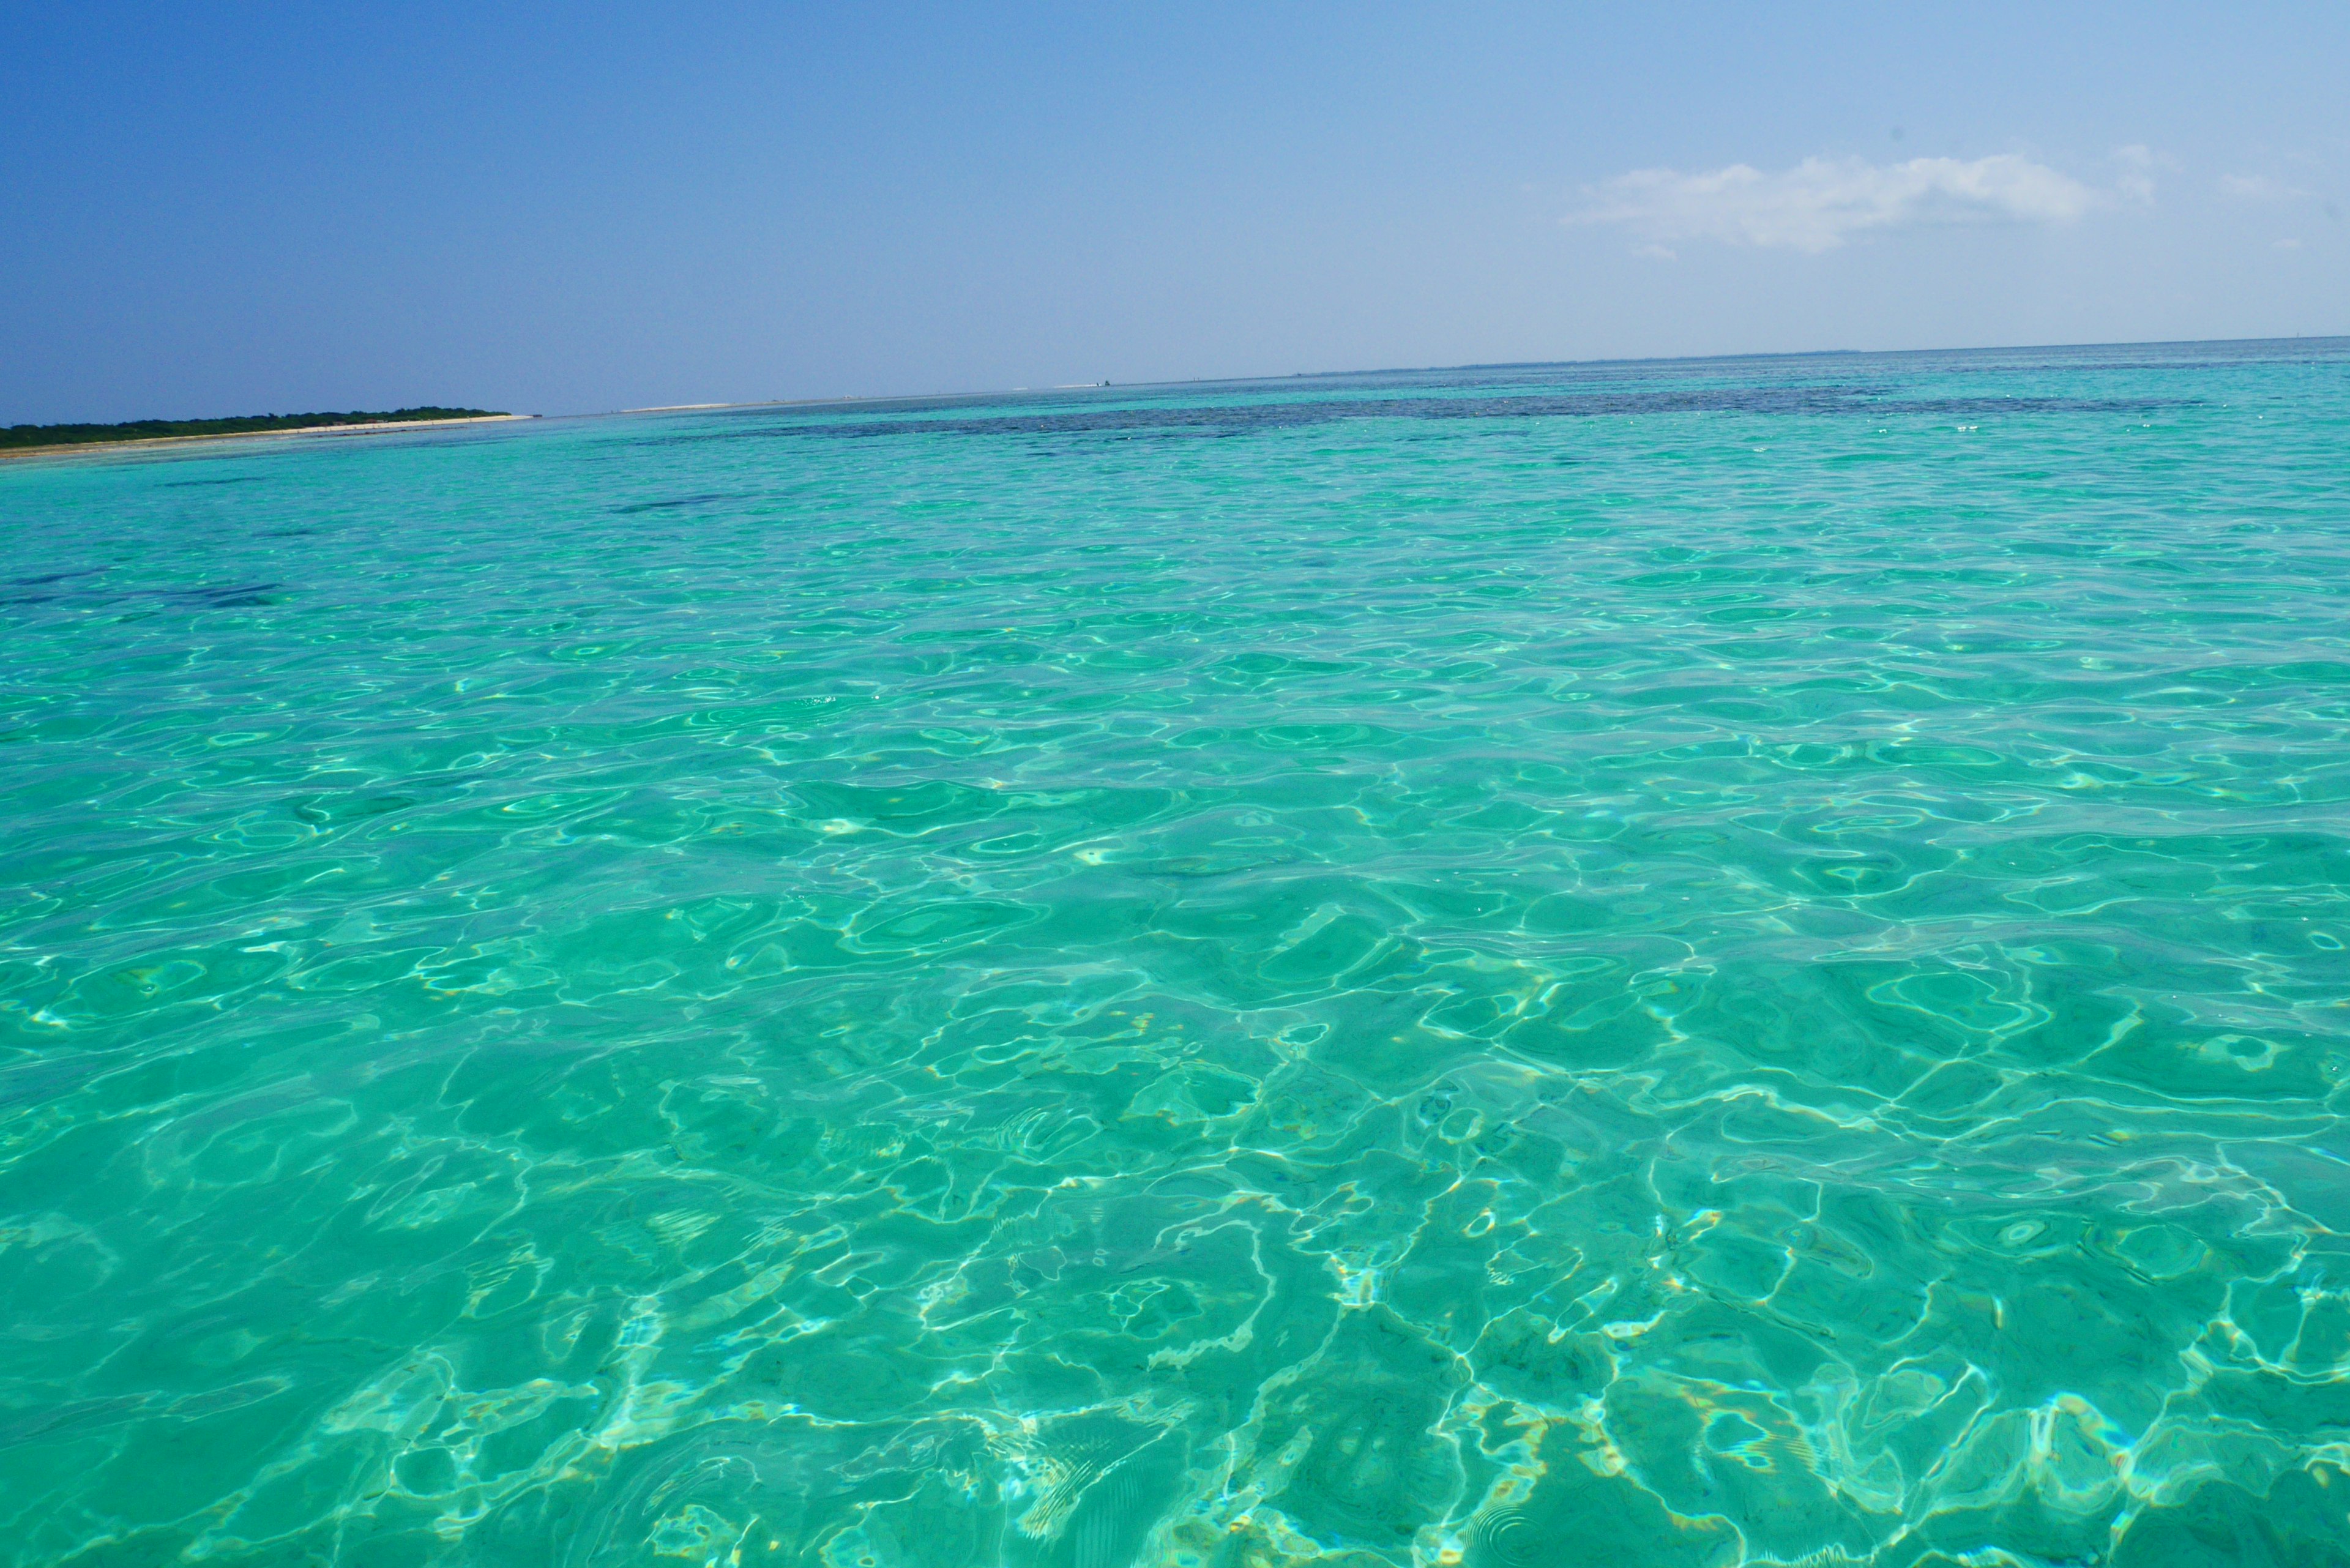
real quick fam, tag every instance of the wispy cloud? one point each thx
(1821, 203)
(2259, 188)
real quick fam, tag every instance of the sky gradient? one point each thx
(570, 209)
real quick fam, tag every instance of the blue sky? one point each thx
(231, 209)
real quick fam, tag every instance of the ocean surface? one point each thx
(1656, 966)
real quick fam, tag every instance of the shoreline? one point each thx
(95, 447)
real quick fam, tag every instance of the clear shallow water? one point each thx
(1671, 964)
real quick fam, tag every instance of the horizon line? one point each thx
(1063, 390)
(1437, 369)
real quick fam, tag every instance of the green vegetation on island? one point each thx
(153, 430)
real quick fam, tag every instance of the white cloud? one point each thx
(1819, 203)
(2259, 188)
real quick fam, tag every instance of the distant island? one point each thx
(253, 424)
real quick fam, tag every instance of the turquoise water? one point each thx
(1694, 964)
